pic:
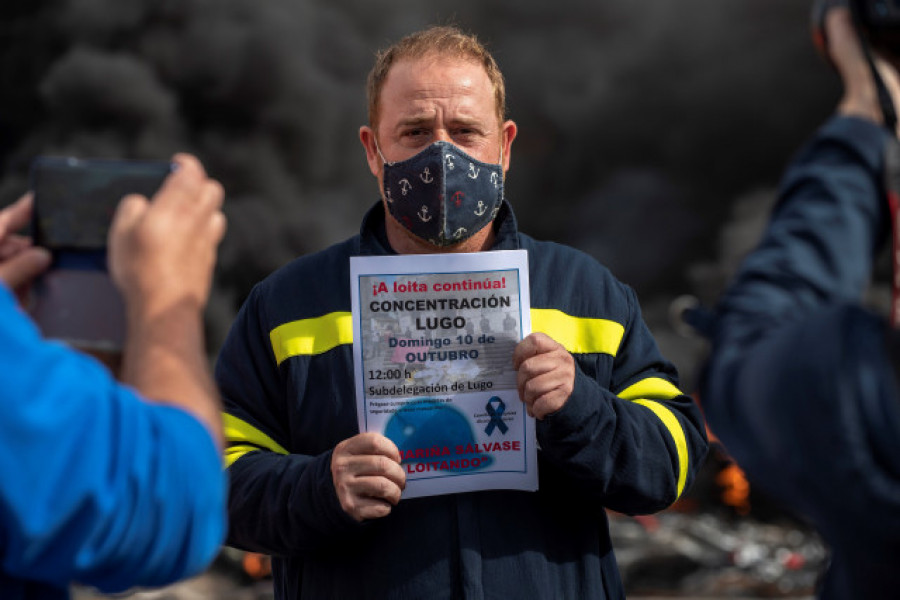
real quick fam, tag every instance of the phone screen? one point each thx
(74, 203)
(75, 199)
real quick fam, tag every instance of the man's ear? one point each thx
(367, 138)
(508, 132)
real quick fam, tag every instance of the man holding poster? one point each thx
(457, 347)
(447, 398)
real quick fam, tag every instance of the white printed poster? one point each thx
(433, 342)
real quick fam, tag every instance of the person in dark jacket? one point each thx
(801, 385)
(324, 499)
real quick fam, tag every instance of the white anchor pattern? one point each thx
(454, 200)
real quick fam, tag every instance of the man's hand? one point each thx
(367, 475)
(860, 97)
(546, 374)
(161, 256)
(20, 262)
(162, 253)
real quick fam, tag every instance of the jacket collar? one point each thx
(373, 234)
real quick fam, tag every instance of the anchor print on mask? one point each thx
(440, 196)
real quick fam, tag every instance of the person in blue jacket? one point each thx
(323, 499)
(108, 484)
(801, 385)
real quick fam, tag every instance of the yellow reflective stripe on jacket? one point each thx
(579, 335)
(232, 453)
(321, 334)
(311, 336)
(242, 437)
(651, 388)
(642, 393)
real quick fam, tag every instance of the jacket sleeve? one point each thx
(635, 441)
(280, 502)
(98, 486)
(798, 368)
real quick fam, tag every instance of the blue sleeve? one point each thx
(98, 486)
(799, 386)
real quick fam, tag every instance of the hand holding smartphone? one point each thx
(74, 203)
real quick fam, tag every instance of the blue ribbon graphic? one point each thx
(495, 414)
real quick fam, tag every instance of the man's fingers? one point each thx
(189, 162)
(532, 345)
(128, 212)
(182, 186)
(367, 475)
(370, 444)
(843, 42)
(370, 508)
(212, 196)
(22, 268)
(218, 225)
(12, 245)
(371, 498)
(545, 374)
(378, 488)
(861, 97)
(16, 216)
(360, 466)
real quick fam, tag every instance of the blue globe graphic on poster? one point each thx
(426, 424)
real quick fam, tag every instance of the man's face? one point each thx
(437, 99)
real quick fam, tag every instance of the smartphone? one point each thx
(74, 202)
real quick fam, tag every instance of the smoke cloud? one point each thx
(640, 123)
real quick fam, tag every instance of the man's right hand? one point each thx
(860, 97)
(161, 256)
(162, 253)
(367, 475)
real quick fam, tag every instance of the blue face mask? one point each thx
(442, 195)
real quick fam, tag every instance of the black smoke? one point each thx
(641, 123)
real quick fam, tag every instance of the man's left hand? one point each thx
(20, 262)
(546, 374)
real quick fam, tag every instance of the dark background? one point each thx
(652, 133)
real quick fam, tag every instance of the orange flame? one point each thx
(735, 488)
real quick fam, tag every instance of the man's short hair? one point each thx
(445, 41)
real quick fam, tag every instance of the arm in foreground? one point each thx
(815, 256)
(101, 486)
